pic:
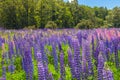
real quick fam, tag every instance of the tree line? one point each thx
(19, 14)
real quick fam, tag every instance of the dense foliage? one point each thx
(18, 14)
(67, 54)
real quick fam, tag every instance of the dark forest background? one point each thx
(19, 14)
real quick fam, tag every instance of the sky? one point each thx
(100, 3)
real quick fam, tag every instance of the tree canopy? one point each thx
(18, 14)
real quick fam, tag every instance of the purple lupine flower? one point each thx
(35, 47)
(115, 43)
(111, 46)
(4, 72)
(21, 47)
(88, 57)
(107, 54)
(63, 39)
(93, 46)
(50, 76)
(1, 41)
(102, 49)
(31, 41)
(16, 45)
(46, 71)
(27, 62)
(66, 37)
(107, 49)
(59, 46)
(11, 50)
(107, 74)
(77, 59)
(96, 53)
(84, 62)
(110, 75)
(104, 74)
(71, 63)
(79, 36)
(100, 66)
(44, 56)
(119, 42)
(96, 36)
(70, 41)
(41, 72)
(55, 57)
(101, 37)
(85, 35)
(22, 51)
(62, 67)
(11, 68)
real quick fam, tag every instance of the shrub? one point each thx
(51, 25)
(84, 24)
